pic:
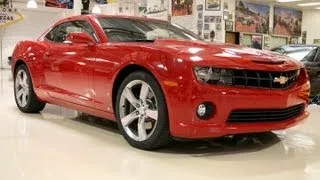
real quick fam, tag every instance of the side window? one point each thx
(59, 33)
(317, 59)
(310, 57)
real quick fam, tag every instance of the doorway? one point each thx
(232, 38)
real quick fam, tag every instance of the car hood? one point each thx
(227, 55)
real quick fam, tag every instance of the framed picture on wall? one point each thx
(200, 7)
(213, 5)
(294, 40)
(257, 41)
(218, 26)
(266, 44)
(304, 37)
(218, 19)
(206, 27)
(229, 26)
(206, 35)
(316, 41)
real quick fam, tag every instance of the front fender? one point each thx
(31, 54)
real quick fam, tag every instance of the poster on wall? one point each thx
(266, 44)
(182, 7)
(157, 9)
(65, 4)
(142, 11)
(257, 41)
(211, 19)
(10, 16)
(87, 5)
(252, 17)
(199, 27)
(229, 26)
(287, 22)
(200, 20)
(316, 41)
(4, 3)
(102, 1)
(294, 40)
(213, 5)
(304, 37)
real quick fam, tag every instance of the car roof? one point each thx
(296, 47)
(104, 15)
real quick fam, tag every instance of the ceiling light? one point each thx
(285, 1)
(32, 4)
(309, 4)
(96, 9)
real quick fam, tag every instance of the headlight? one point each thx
(214, 75)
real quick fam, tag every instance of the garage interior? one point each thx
(61, 143)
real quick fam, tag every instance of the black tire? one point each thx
(33, 105)
(161, 136)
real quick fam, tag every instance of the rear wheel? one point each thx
(142, 112)
(25, 97)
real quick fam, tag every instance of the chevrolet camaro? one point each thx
(158, 80)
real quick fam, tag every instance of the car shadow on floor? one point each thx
(243, 143)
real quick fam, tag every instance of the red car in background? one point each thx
(59, 3)
(158, 80)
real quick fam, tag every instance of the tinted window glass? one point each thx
(310, 56)
(317, 59)
(299, 55)
(60, 32)
(126, 30)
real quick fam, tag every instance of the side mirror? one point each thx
(80, 38)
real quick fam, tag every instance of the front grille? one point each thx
(266, 115)
(264, 79)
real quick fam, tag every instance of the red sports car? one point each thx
(158, 80)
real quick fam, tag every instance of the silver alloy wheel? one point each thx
(22, 87)
(138, 110)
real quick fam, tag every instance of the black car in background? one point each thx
(310, 56)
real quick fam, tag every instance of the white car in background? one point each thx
(295, 51)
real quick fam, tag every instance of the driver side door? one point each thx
(68, 67)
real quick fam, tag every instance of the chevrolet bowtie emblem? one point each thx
(281, 79)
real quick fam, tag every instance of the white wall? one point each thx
(310, 23)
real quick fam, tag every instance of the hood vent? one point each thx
(270, 62)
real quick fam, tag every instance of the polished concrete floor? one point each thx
(59, 145)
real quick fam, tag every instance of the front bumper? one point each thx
(184, 123)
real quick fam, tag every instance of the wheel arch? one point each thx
(17, 64)
(22, 62)
(125, 72)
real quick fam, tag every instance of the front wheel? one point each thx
(142, 112)
(25, 97)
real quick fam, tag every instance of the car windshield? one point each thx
(299, 55)
(133, 30)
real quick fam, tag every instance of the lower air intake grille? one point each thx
(266, 115)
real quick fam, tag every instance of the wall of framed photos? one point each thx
(210, 22)
(252, 19)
